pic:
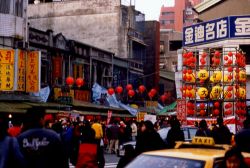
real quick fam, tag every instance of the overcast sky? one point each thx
(151, 8)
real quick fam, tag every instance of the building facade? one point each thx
(178, 16)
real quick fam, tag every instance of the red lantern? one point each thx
(202, 105)
(150, 95)
(202, 112)
(119, 89)
(184, 71)
(229, 62)
(204, 55)
(131, 93)
(217, 54)
(216, 112)
(230, 69)
(163, 98)
(229, 88)
(111, 91)
(190, 112)
(129, 87)
(226, 58)
(190, 54)
(216, 104)
(70, 81)
(230, 54)
(79, 82)
(142, 88)
(153, 91)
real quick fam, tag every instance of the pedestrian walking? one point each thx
(221, 134)
(10, 154)
(41, 147)
(203, 130)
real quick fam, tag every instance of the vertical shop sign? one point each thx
(57, 67)
(33, 64)
(7, 69)
(20, 70)
(181, 111)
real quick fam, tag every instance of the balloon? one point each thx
(141, 88)
(217, 75)
(69, 80)
(129, 87)
(203, 74)
(202, 92)
(111, 91)
(79, 82)
(119, 89)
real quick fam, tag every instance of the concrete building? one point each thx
(178, 16)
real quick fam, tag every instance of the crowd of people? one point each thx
(39, 143)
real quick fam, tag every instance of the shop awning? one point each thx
(169, 108)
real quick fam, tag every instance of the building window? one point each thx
(175, 45)
(162, 22)
(189, 11)
(167, 13)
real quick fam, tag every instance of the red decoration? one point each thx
(79, 82)
(204, 55)
(190, 71)
(226, 58)
(229, 62)
(202, 112)
(129, 87)
(184, 71)
(153, 91)
(111, 91)
(216, 104)
(230, 54)
(230, 69)
(217, 54)
(119, 89)
(70, 81)
(131, 93)
(163, 98)
(150, 95)
(142, 88)
(202, 105)
(190, 54)
(216, 112)
(190, 112)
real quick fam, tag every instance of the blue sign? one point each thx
(227, 27)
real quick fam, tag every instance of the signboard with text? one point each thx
(33, 71)
(7, 67)
(181, 110)
(214, 30)
(20, 70)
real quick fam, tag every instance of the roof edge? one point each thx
(205, 5)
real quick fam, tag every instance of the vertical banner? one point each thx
(7, 72)
(20, 70)
(181, 111)
(57, 67)
(33, 63)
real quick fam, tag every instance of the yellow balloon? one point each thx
(202, 92)
(242, 76)
(217, 76)
(203, 74)
(215, 92)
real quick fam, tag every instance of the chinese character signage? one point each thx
(57, 67)
(33, 71)
(20, 70)
(227, 27)
(181, 110)
(7, 69)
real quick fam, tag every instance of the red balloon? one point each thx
(119, 89)
(163, 98)
(142, 88)
(216, 104)
(202, 105)
(131, 93)
(129, 87)
(111, 91)
(79, 82)
(69, 80)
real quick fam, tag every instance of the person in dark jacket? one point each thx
(10, 154)
(129, 155)
(203, 130)
(221, 134)
(148, 139)
(41, 147)
(175, 133)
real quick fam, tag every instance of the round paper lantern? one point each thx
(203, 74)
(216, 112)
(217, 54)
(79, 82)
(163, 98)
(230, 54)
(141, 88)
(202, 112)
(111, 91)
(204, 55)
(70, 81)
(190, 112)
(217, 75)
(202, 92)
(190, 78)
(226, 58)
(215, 92)
(129, 87)
(131, 93)
(202, 105)
(190, 93)
(242, 76)
(216, 104)
(150, 94)
(228, 112)
(190, 54)
(230, 69)
(153, 91)
(225, 79)
(229, 88)
(227, 94)
(190, 105)
(119, 89)
(242, 93)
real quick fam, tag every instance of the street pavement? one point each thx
(111, 161)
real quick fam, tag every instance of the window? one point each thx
(189, 11)
(175, 45)
(167, 13)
